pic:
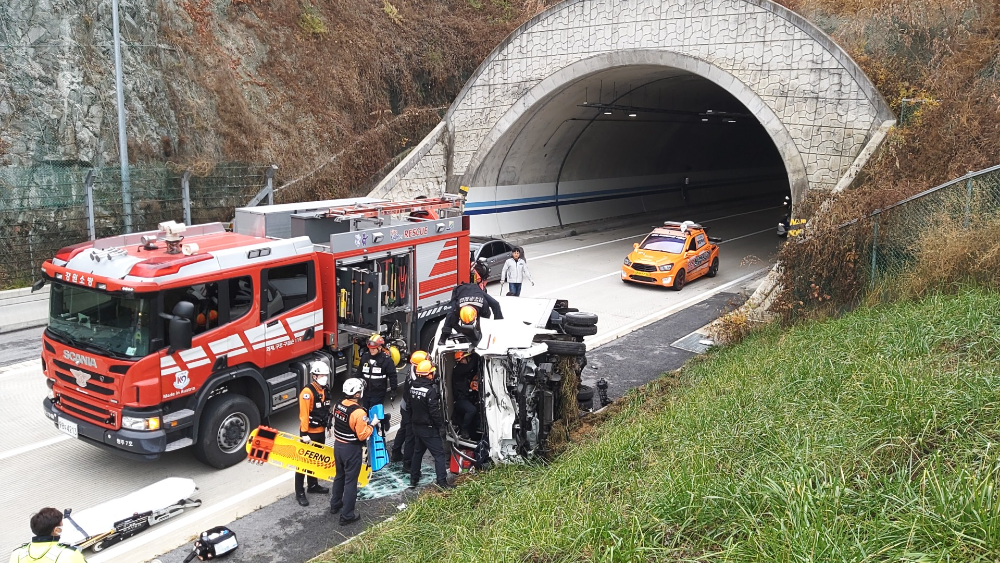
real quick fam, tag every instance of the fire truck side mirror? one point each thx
(180, 328)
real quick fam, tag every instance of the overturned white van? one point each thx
(522, 362)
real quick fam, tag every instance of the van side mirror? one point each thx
(635, 245)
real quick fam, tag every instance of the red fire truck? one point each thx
(191, 335)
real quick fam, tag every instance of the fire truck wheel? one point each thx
(225, 427)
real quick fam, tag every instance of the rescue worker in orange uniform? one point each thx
(314, 421)
(351, 428)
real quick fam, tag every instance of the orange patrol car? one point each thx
(673, 255)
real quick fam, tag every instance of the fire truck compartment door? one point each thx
(358, 299)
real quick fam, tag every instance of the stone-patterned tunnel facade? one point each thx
(815, 102)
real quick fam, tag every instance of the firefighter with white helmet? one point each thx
(315, 418)
(351, 428)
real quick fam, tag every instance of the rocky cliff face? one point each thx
(346, 82)
(57, 88)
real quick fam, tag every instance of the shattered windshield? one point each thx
(664, 243)
(114, 325)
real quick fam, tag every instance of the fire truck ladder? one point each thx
(381, 209)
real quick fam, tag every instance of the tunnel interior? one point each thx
(624, 141)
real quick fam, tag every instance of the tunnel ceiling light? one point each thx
(704, 119)
(633, 114)
(607, 112)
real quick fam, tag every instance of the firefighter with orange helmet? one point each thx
(402, 445)
(378, 372)
(427, 423)
(470, 302)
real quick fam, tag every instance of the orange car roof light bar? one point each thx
(682, 225)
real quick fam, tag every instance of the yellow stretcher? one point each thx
(267, 445)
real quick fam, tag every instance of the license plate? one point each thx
(67, 427)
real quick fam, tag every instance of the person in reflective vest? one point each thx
(47, 524)
(427, 423)
(378, 371)
(470, 302)
(402, 446)
(315, 419)
(351, 428)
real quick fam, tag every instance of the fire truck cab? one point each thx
(191, 335)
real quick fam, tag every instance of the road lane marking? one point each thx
(748, 235)
(25, 449)
(601, 339)
(10, 370)
(615, 273)
(644, 234)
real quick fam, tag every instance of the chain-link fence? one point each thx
(930, 230)
(44, 208)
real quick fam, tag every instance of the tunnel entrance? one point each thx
(623, 141)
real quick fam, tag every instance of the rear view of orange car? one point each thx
(673, 255)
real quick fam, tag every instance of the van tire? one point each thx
(564, 348)
(584, 393)
(230, 417)
(575, 330)
(580, 318)
(713, 270)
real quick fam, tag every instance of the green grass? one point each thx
(873, 437)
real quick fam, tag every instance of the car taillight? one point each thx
(165, 265)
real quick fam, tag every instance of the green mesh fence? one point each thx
(44, 208)
(893, 237)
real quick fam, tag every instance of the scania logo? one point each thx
(82, 377)
(79, 359)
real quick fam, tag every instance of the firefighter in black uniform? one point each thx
(378, 371)
(402, 446)
(465, 386)
(350, 430)
(469, 302)
(314, 420)
(427, 423)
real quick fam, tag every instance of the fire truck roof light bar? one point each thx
(376, 210)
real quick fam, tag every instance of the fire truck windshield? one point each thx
(115, 325)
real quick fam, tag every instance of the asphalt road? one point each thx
(45, 468)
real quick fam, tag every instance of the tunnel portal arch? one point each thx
(819, 110)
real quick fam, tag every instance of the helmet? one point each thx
(395, 355)
(375, 340)
(418, 357)
(459, 355)
(353, 386)
(319, 368)
(425, 368)
(480, 272)
(468, 314)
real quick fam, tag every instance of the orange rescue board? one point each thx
(267, 445)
